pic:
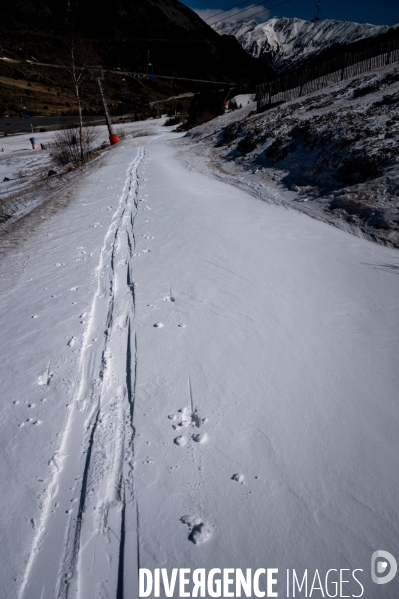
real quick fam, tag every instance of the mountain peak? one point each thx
(287, 43)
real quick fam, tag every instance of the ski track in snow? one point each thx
(91, 499)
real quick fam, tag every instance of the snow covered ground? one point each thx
(24, 173)
(333, 154)
(191, 378)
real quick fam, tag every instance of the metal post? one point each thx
(105, 107)
(113, 138)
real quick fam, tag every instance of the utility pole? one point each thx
(113, 138)
(317, 12)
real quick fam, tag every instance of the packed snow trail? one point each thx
(203, 379)
(95, 478)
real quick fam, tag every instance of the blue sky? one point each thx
(378, 12)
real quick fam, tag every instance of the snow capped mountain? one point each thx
(285, 43)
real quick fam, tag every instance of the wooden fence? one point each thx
(311, 79)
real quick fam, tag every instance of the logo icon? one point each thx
(380, 560)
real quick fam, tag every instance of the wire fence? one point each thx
(311, 79)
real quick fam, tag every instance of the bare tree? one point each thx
(69, 150)
(76, 63)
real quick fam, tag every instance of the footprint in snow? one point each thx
(199, 437)
(71, 342)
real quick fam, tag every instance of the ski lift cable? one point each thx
(240, 11)
(257, 13)
(226, 9)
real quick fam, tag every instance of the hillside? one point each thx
(335, 151)
(286, 44)
(119, 35)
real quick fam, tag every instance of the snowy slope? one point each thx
(177, 355)
(336, 150)
(288, 42)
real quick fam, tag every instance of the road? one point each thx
(21, 125)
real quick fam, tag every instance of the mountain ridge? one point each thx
(286, 44)
(123, 35)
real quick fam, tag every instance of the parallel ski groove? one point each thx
(92, 394)
(82, 500)
(121, 565)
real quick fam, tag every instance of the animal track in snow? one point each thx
(71, 342)
(199, 532)
(239, 478)
(158, 325)
(180, 440)
(185, 417)
(200, 437)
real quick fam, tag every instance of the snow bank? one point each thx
(336, 151)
